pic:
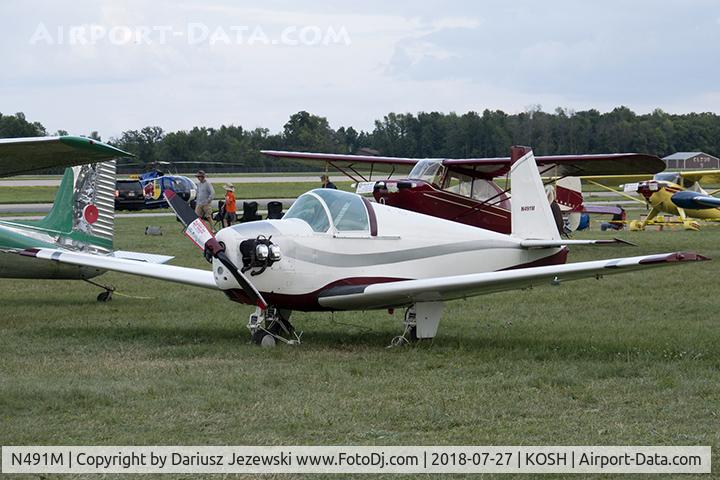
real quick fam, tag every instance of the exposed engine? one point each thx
(258, 253)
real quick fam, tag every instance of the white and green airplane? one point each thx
(82, 217)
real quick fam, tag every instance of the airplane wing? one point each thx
(340, 158)
(128, 262)
(572, 165)
(614, 180)
(392, 294)
(694, 200)
(708, 201)
(26, 155)
(351, 164)
(553, 165)
(702, 176)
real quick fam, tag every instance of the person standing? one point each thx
(205, 194)
(230, 205)
(326, 183)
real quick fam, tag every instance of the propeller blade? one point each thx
(242, 280)
(181, 208)
(198, 232)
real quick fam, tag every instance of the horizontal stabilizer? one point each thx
(561, 243)
(141, 257)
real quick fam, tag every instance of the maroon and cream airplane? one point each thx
(465, 190)
(337, 251)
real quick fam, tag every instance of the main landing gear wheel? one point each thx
(421, 322)
(105, 296)
(409, 335)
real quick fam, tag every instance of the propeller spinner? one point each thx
(198, 232)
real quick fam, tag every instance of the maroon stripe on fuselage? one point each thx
(307, 302)
(557, 258)
(371, 216)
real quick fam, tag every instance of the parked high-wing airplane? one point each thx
(465, 190)
(676, 193)
(336, 250)
(82, 215)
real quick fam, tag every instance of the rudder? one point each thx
(531, 214)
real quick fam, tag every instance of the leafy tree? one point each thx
(16, 126)
(422, 134)
(306, 131)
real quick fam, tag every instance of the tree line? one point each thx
(421, 135)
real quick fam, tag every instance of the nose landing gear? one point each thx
(272, 325)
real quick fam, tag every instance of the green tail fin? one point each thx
(83, 213)
(60, 218)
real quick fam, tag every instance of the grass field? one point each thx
(242, 191)
(630, 359)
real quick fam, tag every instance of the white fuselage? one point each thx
(408, 245)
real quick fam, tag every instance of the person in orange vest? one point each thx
(230, 205)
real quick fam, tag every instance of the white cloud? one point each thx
(401, 57)
(456, 22)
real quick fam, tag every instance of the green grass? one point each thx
(630, 359)
(27, 194)
(242, 190)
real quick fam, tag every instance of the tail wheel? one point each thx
(637, 226)
(691, 225)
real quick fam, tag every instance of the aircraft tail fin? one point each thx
(567, 193)
(531, 214)
(83, 213)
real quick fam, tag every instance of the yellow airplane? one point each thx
(675, 193)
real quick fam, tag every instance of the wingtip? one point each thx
(676, 257)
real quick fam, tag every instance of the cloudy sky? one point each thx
(117, 65)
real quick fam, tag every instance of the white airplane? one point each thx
(335, 250)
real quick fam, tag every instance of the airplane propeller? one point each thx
(198, 232)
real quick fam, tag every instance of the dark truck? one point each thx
(129, 195)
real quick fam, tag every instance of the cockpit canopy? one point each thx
(428, 170)
(675, 178)
(323, 208)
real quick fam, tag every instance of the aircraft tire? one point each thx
(104, 296)
(263, 338)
